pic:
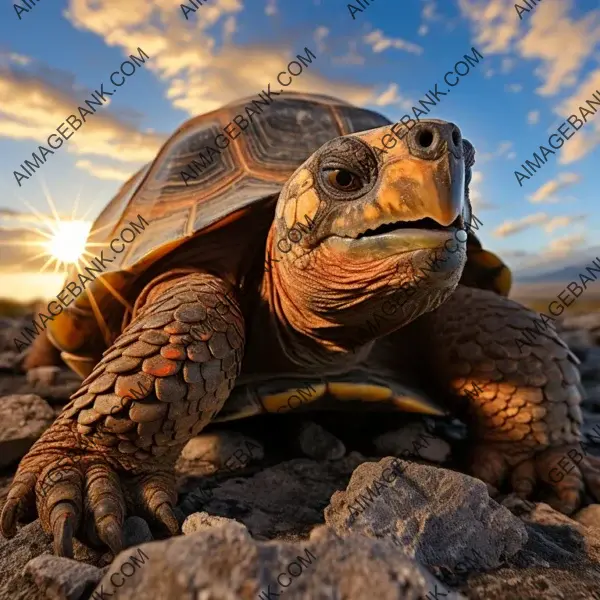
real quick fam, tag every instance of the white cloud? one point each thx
(504, 150)
(565, 245)
(546, 192)
(547, 34)
(429, 14)
(378, 42)
(514, 88)
(391, 96)
(8, 215)
(104, 172)
(477, 201)
(589, 136)
(271, 8)
(352, 57)
(562, 221)
(540, 219)
(12, 57)
(319, 36)
(507, 65)
(563, 44)
(494, 21)
(511, 227)
(229, 28)
(429, 11)
(32, 108)
(201, 77)
(533, 117)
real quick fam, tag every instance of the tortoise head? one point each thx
(363, 228)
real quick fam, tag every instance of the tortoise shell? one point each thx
(194, 186)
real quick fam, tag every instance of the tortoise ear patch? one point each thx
(307, 205)
(297, 200)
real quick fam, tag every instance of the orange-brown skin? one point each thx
(307, 314)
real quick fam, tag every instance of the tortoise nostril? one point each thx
(425, 138)
(456, 137)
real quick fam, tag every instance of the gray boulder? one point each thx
(413, 440)
(219, 450)
(316, 442)
(62, 578)
(225, 562)
(24, 419)
(441, 518)
(30, 542)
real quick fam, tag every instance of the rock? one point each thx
(589, 321)
(540, 584)
(517, 505)
(218, 451)
(136, 531)
(9, 330)
(62, 578)
(286, 499)
(423, 505)
(65, 384)
(8, 361)
(200, 521)
(24, 419)
(30, 542)
(413, 440)
(589, 516)
(225, 562)
(579, 341)
(43, 375)
(590, 368)
(316, 442)
(592, 396)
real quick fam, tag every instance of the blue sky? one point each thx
(534, 70)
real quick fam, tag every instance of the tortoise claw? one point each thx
(166, 516)
(563, 470)
(154, 496)
(21, 496)
(63, 516)
(8, 522)
(110, 532)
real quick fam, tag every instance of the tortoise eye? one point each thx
(343, 180)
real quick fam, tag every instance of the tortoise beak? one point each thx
(429, 182)
(419, 198)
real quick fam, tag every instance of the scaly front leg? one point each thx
(112, 449)
(524, 411)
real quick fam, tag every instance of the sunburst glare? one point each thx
(62, 242)
(69, 240)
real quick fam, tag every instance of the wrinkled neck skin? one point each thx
(326, 310)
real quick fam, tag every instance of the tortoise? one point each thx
(207, 315)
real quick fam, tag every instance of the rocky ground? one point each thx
(298, 507)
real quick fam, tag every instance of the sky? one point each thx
(538, 65)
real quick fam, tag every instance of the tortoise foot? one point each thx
(565, 472)
(86, 494)
(42, 353)
(112, 450)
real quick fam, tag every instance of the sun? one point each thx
(61, 241)
(68, 242)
